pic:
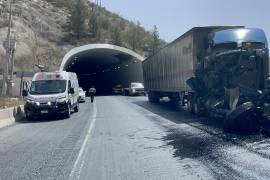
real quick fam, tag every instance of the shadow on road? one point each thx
(41, 119)
(179, 115)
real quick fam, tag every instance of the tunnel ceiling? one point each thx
(97, 57)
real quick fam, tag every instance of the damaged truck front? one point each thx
(232, 79)
(218, 71)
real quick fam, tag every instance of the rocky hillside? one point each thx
(43, 33)
(37, 27)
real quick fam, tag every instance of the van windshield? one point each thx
(48, 87)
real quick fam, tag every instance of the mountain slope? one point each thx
(43, 34)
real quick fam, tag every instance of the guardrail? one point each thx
(10, 115)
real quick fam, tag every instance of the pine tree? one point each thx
(116, 36)
(78, 18)
(93, 24)
(135, 36)
(155, 41)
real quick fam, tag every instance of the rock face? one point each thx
(38, 27)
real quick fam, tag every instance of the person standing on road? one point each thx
(92, 92)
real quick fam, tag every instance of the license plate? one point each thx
(44, 112)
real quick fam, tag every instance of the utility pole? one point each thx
(11, 63)
(6, 67)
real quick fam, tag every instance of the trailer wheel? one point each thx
(152, 97)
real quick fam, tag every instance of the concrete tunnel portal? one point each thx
(104, 66)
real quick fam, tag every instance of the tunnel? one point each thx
(103, 66)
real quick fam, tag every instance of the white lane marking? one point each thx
(79, 163)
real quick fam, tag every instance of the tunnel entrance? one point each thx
(104, 66)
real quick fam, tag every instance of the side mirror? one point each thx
(71, 91)
(25, 93)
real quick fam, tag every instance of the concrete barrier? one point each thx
(10, 115)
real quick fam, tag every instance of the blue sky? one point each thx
(174, 17)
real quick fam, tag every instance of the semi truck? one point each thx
(216, 71)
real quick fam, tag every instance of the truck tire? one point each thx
(152, 97)
(190, 103)
(195, 106)
(199, 110)
(244, 119)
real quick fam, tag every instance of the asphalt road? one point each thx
(127, 138)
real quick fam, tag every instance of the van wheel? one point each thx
(76, 109)
(68, 113)
(29, 118)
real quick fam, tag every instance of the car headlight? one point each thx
(61, 99)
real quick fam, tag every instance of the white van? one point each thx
(52, 93)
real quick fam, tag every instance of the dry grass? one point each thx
(10, 102)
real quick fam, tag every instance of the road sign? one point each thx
(11, 44)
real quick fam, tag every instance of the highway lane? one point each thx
(44, 149)
(127, 138)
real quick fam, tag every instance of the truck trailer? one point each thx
(217, 71)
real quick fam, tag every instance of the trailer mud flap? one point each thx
(244, 119)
